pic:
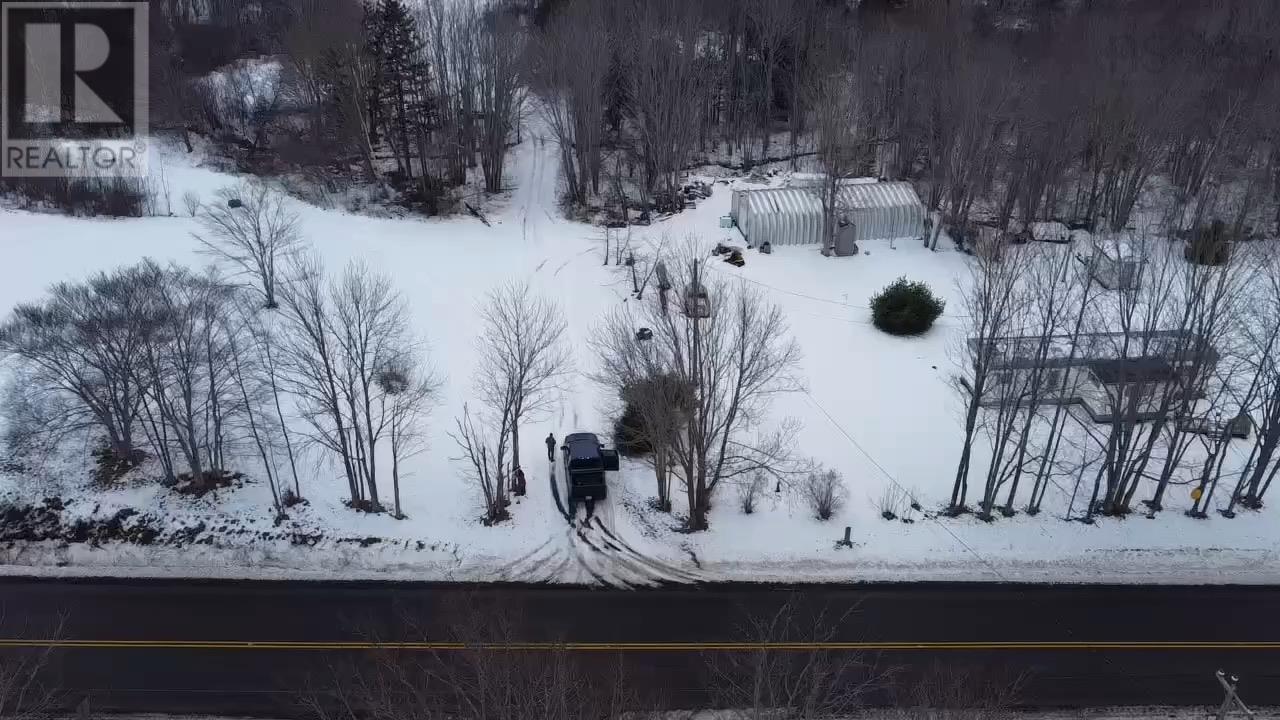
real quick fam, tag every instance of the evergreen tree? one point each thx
(399, 103)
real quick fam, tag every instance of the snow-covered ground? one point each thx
(878, 408)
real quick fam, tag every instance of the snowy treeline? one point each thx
(1053, 110)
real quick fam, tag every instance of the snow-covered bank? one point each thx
(878, 408)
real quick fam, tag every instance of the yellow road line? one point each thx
(631, 646)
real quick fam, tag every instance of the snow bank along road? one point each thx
(251, 647)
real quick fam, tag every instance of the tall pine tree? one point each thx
(399, 98)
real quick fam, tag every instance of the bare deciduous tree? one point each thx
(342, 338)
(489, 675)
(572, 85)
(252, 229)
(523, 358)
(411, 389)
(730, 347)
(989, 296)
(85, 341)
(814, 682)
(485, 456)
(185, 371)
(499, 90)
(664, 86)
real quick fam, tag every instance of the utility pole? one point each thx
(1229, 686)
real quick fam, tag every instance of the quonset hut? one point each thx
(793, 215)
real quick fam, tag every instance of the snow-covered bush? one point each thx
(824, 492)
(906, 308)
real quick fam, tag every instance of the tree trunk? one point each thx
(515, 451)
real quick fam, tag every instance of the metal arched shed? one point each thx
(793, 216)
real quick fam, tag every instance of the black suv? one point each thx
(585, 462)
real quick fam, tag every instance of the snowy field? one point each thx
(878, 408)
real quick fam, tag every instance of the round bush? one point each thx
(906, 308)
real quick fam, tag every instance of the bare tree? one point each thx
(837, 122)
(490, 674)
(451, 40)
(730, 347)
(1258, 348)
(27, 690)
(815, 682)
(989, 297)
(485, 456)
(316, 41)
(774, 22)
(664, 86)
(411, 389)
(191, 201)
(85, 342)
(523, 358)
(342, 338)
(371, 325)
(310, 357)
(499, 90)
(251, 228)
(571, 76)
(186, 370)
(255, 417)
(266, 347)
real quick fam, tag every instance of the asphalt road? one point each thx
(252, 647)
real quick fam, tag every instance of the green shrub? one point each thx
(663, 396)
(629, 433)
(906, 308)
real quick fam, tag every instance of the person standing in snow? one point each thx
(518, 478)
(551, 447)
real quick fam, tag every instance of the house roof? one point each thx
(1025, 351)
(851, 196)
(1132, 370)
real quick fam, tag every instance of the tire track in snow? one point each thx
(604, 556)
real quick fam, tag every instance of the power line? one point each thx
(814, 298)
(904, 491)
